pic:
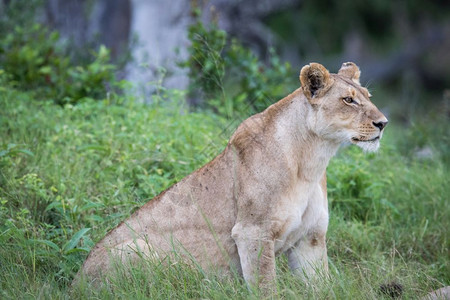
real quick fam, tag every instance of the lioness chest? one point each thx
(301, 212)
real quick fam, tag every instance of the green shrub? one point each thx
(36, 60)
(21, 12)
(206, 64)
(230, 77)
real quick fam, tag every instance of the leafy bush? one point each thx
(16, 12)
(36, 60)
(206, 64)
(229, 76)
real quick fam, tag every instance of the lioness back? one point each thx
(195, 217)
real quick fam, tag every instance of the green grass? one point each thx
(69, 174)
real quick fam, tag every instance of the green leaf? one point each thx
(93, 147)
(45, 70)
(389, 204)
(75, 239)
(53, 205)
(25, 151)
(90, 205)
(48, 243)
(103, 52)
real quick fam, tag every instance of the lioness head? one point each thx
(343, 110)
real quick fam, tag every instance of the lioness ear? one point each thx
(351, 71)
(315, 80)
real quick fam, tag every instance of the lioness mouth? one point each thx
(358, 140)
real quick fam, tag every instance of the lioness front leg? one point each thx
(309, 257)
(257, 256)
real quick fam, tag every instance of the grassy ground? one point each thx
(68, 175)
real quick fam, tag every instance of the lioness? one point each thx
(264, 195)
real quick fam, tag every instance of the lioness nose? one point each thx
(380, 124)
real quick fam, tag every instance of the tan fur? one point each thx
(264, 195)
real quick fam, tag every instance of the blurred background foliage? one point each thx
(36, 59)
(402, 47)
(239, 56)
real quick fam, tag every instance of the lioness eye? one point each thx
(348, 100)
